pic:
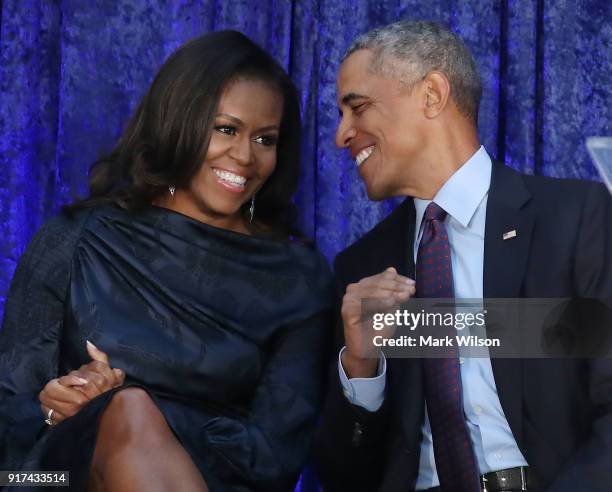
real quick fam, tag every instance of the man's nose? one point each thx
(345, 133)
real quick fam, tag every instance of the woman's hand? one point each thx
(68, 394)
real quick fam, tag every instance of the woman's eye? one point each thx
(228, 130)
(266, 140)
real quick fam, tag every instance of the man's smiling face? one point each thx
(382, 125)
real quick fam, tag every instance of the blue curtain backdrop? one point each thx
(72, 71)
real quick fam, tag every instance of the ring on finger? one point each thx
(49, 419)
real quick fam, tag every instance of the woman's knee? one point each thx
(132, 415)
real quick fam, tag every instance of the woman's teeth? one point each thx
(231, 178)
(364, 154)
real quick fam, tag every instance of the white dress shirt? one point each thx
(464, 198)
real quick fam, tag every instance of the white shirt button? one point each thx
(461, 360)
(478, 409)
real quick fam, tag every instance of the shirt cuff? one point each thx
(368, 393)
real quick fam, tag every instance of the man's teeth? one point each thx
(363, 155)
(230, 177)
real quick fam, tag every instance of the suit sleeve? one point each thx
(349, 442)
(590, 467)
(29, 341)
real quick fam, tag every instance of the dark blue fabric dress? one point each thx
(227, 332)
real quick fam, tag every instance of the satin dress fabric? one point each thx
(226, 332)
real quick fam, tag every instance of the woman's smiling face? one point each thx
(241, 155)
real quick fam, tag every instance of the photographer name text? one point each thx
(432, 341)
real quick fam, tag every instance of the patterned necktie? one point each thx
(455, 460)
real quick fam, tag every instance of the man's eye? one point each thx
(266, 140)
(228, 130)
(359, 108)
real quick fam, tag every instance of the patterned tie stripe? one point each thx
(455, 459)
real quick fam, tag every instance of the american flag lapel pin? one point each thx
(509, 234)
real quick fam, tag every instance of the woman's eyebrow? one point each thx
(235, 119)
(238, 121)
(267, 128)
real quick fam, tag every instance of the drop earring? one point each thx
(171, 189)
(252, 209)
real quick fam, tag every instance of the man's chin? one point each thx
(376, 195)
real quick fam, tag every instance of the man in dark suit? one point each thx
(409, 95)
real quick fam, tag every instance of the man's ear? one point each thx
(437, 93)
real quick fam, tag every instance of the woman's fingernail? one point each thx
(91, 345)
(82, 381)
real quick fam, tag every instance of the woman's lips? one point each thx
(230, 181)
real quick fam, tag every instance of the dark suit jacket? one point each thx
(559, 411)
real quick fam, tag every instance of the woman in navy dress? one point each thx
(171, 327)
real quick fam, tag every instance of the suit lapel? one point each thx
(397, 239)
(404, 376)
(408, 372)
(505, 260)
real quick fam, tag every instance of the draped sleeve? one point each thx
(266, 448)
(31, 331)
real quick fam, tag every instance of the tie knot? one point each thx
(435, 212)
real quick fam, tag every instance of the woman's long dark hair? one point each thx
(167, 139)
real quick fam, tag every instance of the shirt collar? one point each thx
(463, 191)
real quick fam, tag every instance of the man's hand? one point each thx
(68, 394)
(388, 289)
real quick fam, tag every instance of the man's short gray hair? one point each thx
(408, 50)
